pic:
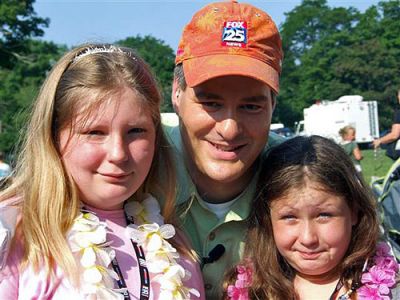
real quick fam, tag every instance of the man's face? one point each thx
(224, 124)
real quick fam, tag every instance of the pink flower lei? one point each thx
(380, 277)
(377, 280)
(239, 291)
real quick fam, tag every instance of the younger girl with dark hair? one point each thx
(314, 231)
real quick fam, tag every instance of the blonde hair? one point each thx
(49, 196)
(283, 173)
(345, 130)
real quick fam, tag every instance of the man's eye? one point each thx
(252, 107)
(211, 104)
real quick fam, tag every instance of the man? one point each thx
(226, 79)
(393, 135)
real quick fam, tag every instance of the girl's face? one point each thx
(350, 135)
(111, 155)
(312, 230)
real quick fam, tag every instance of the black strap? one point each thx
(144, 272)
(339, 285)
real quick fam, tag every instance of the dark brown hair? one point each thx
(287, 167)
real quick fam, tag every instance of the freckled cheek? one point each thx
(84, 156)
(142, 151)
(337, 235)
(284, 236)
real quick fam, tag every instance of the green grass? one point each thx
(375, 164)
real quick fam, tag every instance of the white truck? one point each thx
(326, 118)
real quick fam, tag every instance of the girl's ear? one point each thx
(175, 96)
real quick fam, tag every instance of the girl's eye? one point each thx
(94, 136)
(137, 130)
(324, 215)
(95, 132)
(288, 217)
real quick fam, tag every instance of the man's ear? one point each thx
(176, 91)
(273, 101)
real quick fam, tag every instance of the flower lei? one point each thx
(239, 291)
(87, 238)
(377, 280)
(381, 276)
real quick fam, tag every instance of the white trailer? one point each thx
(325, 118)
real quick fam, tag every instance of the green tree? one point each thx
(160, 57)
(18, 23)
(19, 87)
(340, 52)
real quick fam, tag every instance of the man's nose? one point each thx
(229, 127)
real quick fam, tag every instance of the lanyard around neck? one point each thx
(144, 272)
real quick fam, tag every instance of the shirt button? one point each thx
(208, 286)
(211, 237)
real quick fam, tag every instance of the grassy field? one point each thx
(375, 164)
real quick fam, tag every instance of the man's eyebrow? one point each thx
(207, 95)
(259, 98)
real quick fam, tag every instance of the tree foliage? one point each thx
(330, 52)
(160, 57)
(19, 87)
(18, 23)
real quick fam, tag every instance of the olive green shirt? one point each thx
(202, 226)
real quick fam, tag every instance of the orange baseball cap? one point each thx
(231, 38)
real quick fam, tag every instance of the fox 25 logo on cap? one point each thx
(234, 34)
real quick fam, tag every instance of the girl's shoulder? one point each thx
(10, 213)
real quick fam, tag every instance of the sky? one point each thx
(73, 22)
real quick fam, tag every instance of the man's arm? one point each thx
(392, 136)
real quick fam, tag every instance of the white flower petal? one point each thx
(105, 256)
(133, 208)
(154, 242)
(153, 227)
(98, 236)
(194, 292)
(166, 295)
(92, 275)
(107, 294)
(151, 204)
(88, 258)
(167, 231)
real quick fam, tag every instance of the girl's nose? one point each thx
(117, 149)
(308, 235)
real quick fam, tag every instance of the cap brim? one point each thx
(200, 69)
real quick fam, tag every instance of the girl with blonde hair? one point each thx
(87, 225)
(349, 145)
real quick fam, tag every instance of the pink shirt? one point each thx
(30, 285)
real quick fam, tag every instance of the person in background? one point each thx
(5, 169)
(314, 231)
(225, 85)
(348, 143)
(394, 134)
(87, 225)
